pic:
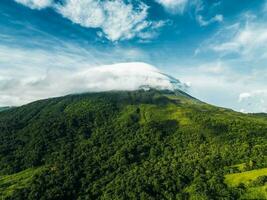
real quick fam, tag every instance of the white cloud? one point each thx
(221, 84)
(146, 36)
(203, 22)
(36, 4)
(254, 101)
(213, 68)
(247, 39)
(37, 74)
(243, 96)
(212, 88)
(123, 76)
(181, 6)
(116, 19)
(174, 6)
(242, 49)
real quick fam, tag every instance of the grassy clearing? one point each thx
(246, 178)
(256, 193)
(10, 183)
(170, 112)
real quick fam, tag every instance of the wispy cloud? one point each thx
(246, 38)
(250, 40)
(221, 83)
(117, 20)
(36, 4)
(199, 8)
(174, 6)
(203, 22)
(255, 100)
(241, 47)
(182, 6)
(213, 68)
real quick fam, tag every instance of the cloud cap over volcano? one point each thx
(121, 76)
(127, 76)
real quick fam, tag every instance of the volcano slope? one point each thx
(129, 145)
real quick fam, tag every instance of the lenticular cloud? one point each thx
(127, 76)
(120, 76)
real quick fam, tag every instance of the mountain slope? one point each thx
(3, 108)
(129, 145)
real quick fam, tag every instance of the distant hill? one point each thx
(129, 145)
(3, 108)
(259, 114)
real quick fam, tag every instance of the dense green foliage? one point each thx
(129, 145)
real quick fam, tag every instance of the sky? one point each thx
(216, 48)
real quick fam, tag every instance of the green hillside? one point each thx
(254, 182)
(9, 184)
(3, 108)
(129, 145)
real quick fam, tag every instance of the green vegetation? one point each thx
(259, 192)
(130, 145)
(254, 182)
(3, 108)
(21, 180)
(245, 177)
(239, 167)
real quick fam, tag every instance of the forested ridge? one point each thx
(128, 145)
(3, 108)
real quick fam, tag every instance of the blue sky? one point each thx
(218, 48)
